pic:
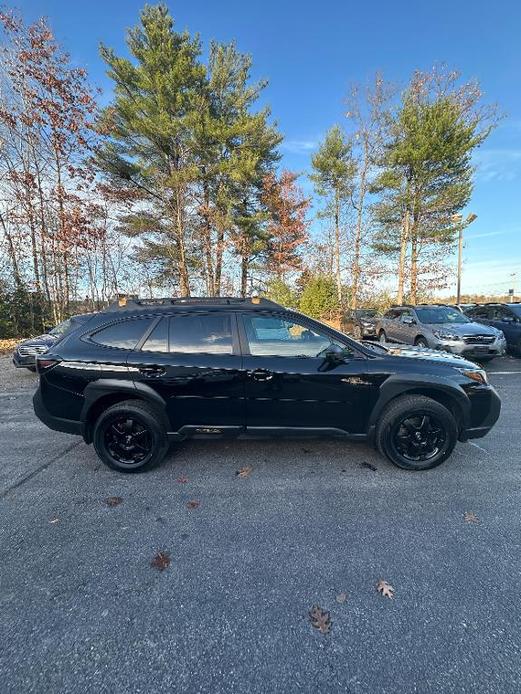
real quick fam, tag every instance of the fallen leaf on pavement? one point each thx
(341, 598)
(182, 480)
(470, 517)
(193, 504)
(385, 589)
(320, 619)
(161, 561)
(369, 466)
(113, 501)
(244, 471)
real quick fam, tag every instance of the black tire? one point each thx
(421, 342)
(130, 436)
(396, 436)
(382, 337)
(31, 368)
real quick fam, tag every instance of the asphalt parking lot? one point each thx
(82, 608)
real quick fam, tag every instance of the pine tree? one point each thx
(150, 124)
(333, 171)
(427, 170)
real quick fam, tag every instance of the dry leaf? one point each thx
(369, 466)
(161, 561)
(470, 517)
(385, 589)
(244, 471)
(182, 480)
(193, 504)
(54, 520)
(320, 619)
(341, 598)
(113, 501)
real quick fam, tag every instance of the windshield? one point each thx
(366, 312)
(441, 314)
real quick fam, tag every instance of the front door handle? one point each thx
(152, 371)
(261, 375)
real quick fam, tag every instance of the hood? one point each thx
(463, 328)
(430, 354)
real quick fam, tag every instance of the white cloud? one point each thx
(497, 164)
(299, 146)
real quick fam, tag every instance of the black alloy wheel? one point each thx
(418, 438)
(128, 440)
(130, 436)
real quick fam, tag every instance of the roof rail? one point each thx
(124, 301)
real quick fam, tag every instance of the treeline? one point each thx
(176, 186)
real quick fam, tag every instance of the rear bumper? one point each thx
(491, 412)
(68, 426)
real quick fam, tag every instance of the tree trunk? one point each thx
(244, 274)
(184, 279)
(404, 240)
(414, 267)
(337, 249)
(12, 253)
(356, 270)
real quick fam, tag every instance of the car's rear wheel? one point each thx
(382, 337)
(130, 436)
(416, 432)
(421, 342)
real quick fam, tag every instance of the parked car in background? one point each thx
(504, 317)
(463, 307)
(24, 355)
(137, 378)
(361, 323)
(441, 327)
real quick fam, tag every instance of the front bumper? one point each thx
(68, 426)
(494, 349)
(485, 410)
(24, 362)
(368, 330)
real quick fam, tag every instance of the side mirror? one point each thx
(334, 353)
(408, 320)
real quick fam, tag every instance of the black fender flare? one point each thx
(397, 385)
(111, 386)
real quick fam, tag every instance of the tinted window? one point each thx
(480, 312)
(201, 333)
(273, 336)
(124, 335)
(392, 313)
(157, 341)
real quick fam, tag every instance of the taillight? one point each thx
(43, 364)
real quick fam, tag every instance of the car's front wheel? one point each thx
(416, 432)
(130, 436)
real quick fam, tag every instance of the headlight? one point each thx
(477, 375)
(447, 336)
(500, 335)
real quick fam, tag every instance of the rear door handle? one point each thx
(152, 371)
(261, 375)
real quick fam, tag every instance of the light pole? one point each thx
(462, 224)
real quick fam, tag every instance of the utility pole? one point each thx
(462, 224)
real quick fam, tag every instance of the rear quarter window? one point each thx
(123, 335)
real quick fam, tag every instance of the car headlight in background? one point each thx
(477, 375)
(450, 337)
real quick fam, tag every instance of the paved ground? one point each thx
(81, 608)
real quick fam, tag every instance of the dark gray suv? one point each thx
(441, 327)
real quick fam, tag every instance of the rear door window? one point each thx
(209, 333)
(123, 335)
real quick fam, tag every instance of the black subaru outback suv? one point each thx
(136, 378)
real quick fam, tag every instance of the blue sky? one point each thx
(311, 51)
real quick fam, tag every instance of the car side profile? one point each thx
(442, 327)
(137, 378)
(504, 317)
